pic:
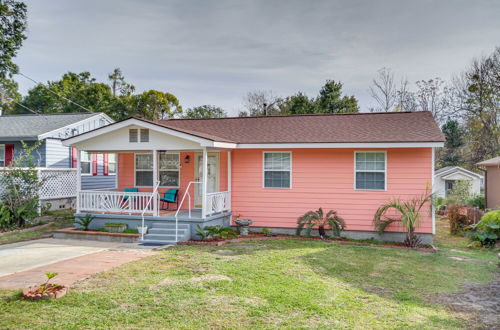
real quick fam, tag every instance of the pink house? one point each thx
(269, 169)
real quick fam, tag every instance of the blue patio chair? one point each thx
(170, 196)
(126, 197)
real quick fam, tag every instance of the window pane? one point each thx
(2, 163)
(169, 178)
(370, 161)
(2, 153)
(277, 161)
(132, 135)
(367, 180)
(111, 158)
(111, 167)
(144, 178)
(144, 161)
(144, 135)
(277, 179)
(84, 156)
(169, 161)
(85, 167)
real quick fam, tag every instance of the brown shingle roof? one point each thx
(331, 128)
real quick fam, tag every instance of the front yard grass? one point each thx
(266, 284)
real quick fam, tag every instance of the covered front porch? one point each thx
(162, 176)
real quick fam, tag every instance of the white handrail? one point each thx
(155, 192)
(180, 204)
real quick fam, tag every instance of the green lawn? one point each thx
(61, 219)
(291, 284)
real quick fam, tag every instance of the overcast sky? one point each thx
(214, 52)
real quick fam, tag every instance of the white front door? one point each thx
(213, 176)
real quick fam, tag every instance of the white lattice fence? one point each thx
(58, 182)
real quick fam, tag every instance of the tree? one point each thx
(477, 104)
(261, 103)
(81, 88)
(205, 111)
(119, 87)
(13, 24)
(451, 154)
(155, 105)
(405, 99)
(433, 95)
(299, 104)
(330, 99)
(384, 90)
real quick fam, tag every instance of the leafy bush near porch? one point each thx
(458, 220)
(487, 231)
(85, 221)
(214, 232)
(20, 194)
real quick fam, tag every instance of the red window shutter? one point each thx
(105, 161)
(74, 160)
(9, 154)
(94, 164)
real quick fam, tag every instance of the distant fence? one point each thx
(57, 182)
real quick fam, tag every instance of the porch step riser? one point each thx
(154, 231)
(169, 226)
(162, 233)
(163, 237)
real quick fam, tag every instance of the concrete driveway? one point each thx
(25, 263)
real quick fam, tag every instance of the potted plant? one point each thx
(243, 225)
(142, 230)
(45, 290)
(115, 227)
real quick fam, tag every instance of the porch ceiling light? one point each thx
(187, 159)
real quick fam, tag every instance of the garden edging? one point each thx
(27, 229)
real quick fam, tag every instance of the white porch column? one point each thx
(155, 181)
(78, 180)
(229, 185)
(204, 184)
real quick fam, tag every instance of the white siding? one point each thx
(57, 155)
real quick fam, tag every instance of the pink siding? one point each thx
(126, 173)
(325, 178)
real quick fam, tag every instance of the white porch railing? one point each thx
(117, 202)
(218, 202)
(57, 182)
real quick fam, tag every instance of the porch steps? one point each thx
(164, 234)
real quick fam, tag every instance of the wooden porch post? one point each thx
(155, 181)
(78, 180)
(204, 184)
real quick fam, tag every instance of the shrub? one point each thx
(218, 231)
(460, 192)
(487, 231)
(458, 220)
(266, 231)
(85, 221)
(476, 201)
(408, 215)
(21, 186)
(318, 219)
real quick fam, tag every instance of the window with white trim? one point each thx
(85, 163)
(144, 135)
(277, 169)
(169, 169)
(144, 170)
(2, 155)
(111, 163)
(133, 135)
(370, 170)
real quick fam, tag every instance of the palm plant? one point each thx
(318, 219)
(408, 212)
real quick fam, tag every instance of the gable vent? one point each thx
(144, 135)
(132, 135)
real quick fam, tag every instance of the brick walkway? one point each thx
(73, 270)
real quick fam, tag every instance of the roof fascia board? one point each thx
(140, 123)
(459, 169)
(340, 145)
(19, 138)
(83, 121)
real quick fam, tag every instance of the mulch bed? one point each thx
(27, 229)
(261, 237)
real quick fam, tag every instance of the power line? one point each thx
(39, 83)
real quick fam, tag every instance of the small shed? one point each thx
(446, 177)
(491, 168)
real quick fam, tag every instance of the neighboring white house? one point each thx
(445, 178)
